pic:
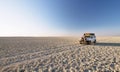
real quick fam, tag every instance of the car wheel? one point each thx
(95, 41)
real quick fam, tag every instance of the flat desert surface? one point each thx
(58, 54)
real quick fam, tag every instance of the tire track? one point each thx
(13, 60)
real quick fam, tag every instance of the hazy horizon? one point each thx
(59, 17)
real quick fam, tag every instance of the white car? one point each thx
(88, 38)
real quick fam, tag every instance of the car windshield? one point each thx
(87, 36)
(92, 34)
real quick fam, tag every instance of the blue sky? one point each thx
(59, 17)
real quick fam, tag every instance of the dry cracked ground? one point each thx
(58, 54)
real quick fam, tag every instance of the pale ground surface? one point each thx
(59, 55)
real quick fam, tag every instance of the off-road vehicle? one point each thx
(88, 38)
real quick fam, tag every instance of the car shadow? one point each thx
(107, 44)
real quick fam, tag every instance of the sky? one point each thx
(59, 17)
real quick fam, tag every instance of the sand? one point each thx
(59, 54)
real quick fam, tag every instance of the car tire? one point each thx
(95, 41)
